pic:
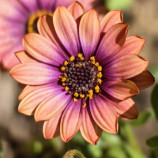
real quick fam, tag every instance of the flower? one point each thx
(80, 73)
(19, 17)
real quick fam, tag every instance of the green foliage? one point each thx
(154, 100)
(118, 4)
(153, 142)
(96, 151)
(142, 118)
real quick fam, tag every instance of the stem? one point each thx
(131, 138)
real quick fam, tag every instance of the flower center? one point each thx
(31, 25)
(81, 78)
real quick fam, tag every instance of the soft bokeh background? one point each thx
(21, 137)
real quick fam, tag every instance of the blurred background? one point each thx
(21, 137)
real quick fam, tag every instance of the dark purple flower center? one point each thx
(81, 77)
(31, 25)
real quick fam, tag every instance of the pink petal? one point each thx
(9, 61)
(121, 90)
(125, 67)
(89, 32)
(127, 109)
(51, 128)
(24, 57)
(104, 114)
(112, 42)
(29, 5)
(110, 19)
(89, 129)
(47, 4)
(35, 97)
(52, 106)
(66, 29)
(35, 73)
(43, 49)
(143, 80)
(76, 9)
(70, 120)
(15, 11)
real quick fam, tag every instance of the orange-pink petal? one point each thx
(52, 106)
(66, 29)
(127, 109)
(104, 114)
(43, 49)
(34, 98)
(70, 120)
(121, 90)
(76, 9)
(133, 45)
(51, 128)
(35, 73)
(89, 129)
(144, 80)
(110, 19)
(111, 43)
(125, 67)
(24, 57)
(89, 32)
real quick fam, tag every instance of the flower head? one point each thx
(19, 17)
(81, 73)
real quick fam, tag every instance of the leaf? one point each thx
(142, 118)
(95, 151)
(116, 152)
(154, 71)
(154, 100)
(153, 142)
(118, 4)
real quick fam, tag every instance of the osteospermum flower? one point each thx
(18, 17)
(81, 73)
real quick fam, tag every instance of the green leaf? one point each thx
(132, 153)
(118, 4)
(95, 151)
(142, 118)
(115, 152)
(37, 147)
(154, 71)
(152, 142)
(154, 100)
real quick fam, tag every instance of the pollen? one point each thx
(97, 64)
(66, 88)
(82, 95)
(97, 89)
(72, 58)
(63, 68)
(92, 58)
(84, 105)
(75, 99)
(99, 68)
(65, 63)
(63, 79)
(99, 80)
(99, 75)
(76, 94)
